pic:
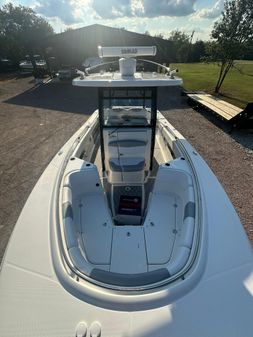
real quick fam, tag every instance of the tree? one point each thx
(21, 30)
(178, 37)
(159, 35)
(230, 36)
(181, 45)
(248, 55)
(198, 51)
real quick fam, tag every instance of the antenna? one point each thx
(126, 52)
(127, 61)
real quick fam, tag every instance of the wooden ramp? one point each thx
(236, 116)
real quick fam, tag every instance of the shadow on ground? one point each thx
(63, 96)
(58, 96)
(238, 100)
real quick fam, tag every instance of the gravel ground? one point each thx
(35, 121)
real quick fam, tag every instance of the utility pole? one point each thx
(190, 45)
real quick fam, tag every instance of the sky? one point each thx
(154, 16)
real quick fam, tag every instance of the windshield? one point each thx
(127, 107)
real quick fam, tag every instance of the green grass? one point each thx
(237, 87)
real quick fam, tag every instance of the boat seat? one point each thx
(88, 234)
(170, 217)
(127, 164)
(127, 154)
(125, 280)
(126, 169)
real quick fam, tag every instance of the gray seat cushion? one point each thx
(127, 164)
(128, 143)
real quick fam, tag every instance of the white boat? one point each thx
(127, 232)
(26, 65)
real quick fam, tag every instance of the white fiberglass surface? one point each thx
(136, 244)
(124, 248)
(131, 221)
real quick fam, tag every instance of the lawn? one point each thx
(236, 89)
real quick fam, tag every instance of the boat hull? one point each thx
(38, 298)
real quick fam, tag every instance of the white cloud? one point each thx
(210, 13)
(135, 15)
(142, 8)
(137, 8)
(62, 9)
(112, 8)
(168, 7)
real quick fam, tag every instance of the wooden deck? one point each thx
(222, 108)
(236, 116)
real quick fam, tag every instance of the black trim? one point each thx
(153, 124)
(101, 123)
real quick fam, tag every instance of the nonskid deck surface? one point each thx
(157, 239)
(127, 248)
(133, 248)
(130, 228)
